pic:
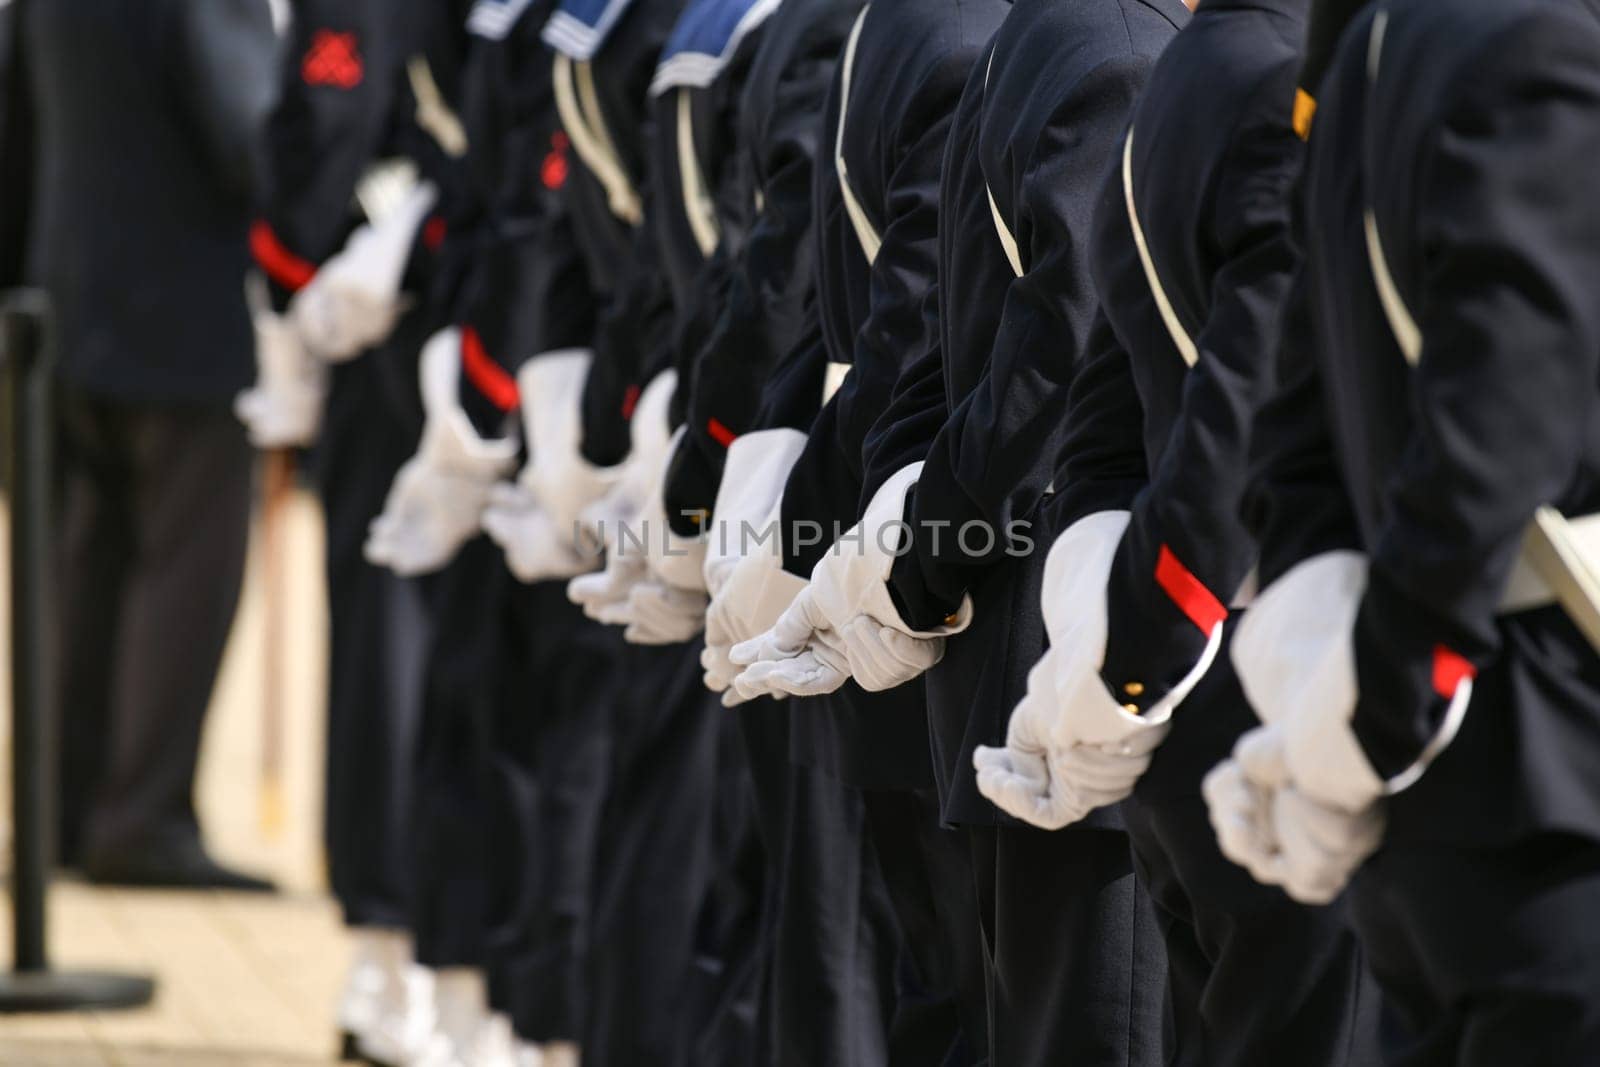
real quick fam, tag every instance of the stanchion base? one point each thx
(42, 991)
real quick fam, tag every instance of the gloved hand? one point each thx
(437, 501)
(1021, 779)
(1295, 659)
(537, 550)
(617, 516)
(354, 300)
(284, 407)
(847, 608)
(1308, 846)
(563, 483)
(1096, 748)
(744, 559)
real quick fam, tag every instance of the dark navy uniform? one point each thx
(346, 104)
(1180, 361)
(1041, 121)
(658, 827)
(876, 194)
(818, 931)
(1439, 386)
(523, 292)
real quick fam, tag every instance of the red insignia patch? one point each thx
(333, 60)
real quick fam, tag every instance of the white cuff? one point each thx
(753, 478)
(1076, 577)
(448, 440)
(1295, 659)
(852, 577)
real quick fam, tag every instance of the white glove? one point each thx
(1096, 748)
(438, 498)
(536, 549)
(1295, 659)
(849, 596)
(284, 407)
(1282, 835)
(799, 655)
(617, 516)
(354, 300)
(744, 560)
(560, 479)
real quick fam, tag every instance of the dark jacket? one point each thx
(526, 291)
(1472, 148)
(1212, 162)
(606, 56)
(761, 366)
(1040, 123)
(876, 312)
(141, 119)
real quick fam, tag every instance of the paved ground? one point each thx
(244, 980)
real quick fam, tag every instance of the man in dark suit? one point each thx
(1418, 653)
(136, 225)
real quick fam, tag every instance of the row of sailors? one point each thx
(1281, 295)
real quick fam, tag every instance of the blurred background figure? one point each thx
(127, 192)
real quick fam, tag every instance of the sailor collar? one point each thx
(707, 36)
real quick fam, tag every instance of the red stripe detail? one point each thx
(1449, 670)
(487, 376)
(434, 232)
(720, 433)
(630, 400)
(333, 59)
(281, 265)
(1188, 592)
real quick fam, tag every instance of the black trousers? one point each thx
(550, 757)
(1487, 956)
(453, 801)
(1076, 966)
(835, 964)
(155, 511)
(941, 1013)
(656, 860)
(378, 640)
(1253, 977)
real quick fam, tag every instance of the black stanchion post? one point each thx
(25, 359)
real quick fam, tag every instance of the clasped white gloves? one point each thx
(666, 604)
(535, 519)
(354, 300)
(1070, 746)
(619, 519)
(283, 409)
(844, 623)
(1299, 804)
(436, 503)
(744, 552)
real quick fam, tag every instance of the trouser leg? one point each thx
(191, 471)
(378, 640)
(451, 802)
(836, 944)
(552, 751)
(655, 862)
(1077, 969)
(96, 551)
(1486, 956)
(942, 1016)
(1253, 976)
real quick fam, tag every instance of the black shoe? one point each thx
(182, 866)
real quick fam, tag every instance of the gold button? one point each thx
(1134, 689)
(1131, 709)
(952, 618)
